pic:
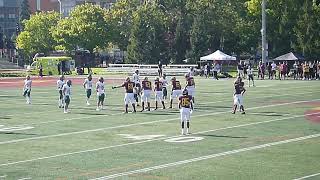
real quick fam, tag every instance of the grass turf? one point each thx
(87, 144)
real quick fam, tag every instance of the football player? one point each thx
(164, 86)
(60, 84)
(190, 86)
(100, 93)
(238, 96)
(146, 93)
(129, 96)
(137, 86)
(27, 89)
(250, 75)
(176, 90)
(158, 93)
(66, 90)
(186, 108)
(87, 85)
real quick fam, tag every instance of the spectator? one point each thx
(240, 69)
(318, 70)
(311, 70)
(269, 69)
(216, 69)
(40, 70)
(306, 71)
(273, 70)
(261, 70)
(295, 70)
(300, 70)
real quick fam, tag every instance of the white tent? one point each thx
(218, 56)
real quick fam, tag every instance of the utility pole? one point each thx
(60, 8)
(264, 32)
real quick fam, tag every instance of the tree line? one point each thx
(175, 30)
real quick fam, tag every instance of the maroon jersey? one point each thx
(146, 85)
(128, 86)
(176, 85)
(185, 101)
(239, 88)
(190, 81)
(158, 85)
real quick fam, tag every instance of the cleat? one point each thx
(243, 112)
(98, 109)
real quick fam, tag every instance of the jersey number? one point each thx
(185, 102)
(130, 86)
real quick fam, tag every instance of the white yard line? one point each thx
(143, 123)
(211, 156)
(309, 176)
(151, 140)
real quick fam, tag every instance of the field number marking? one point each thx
(184, 139)
(3, 128)
(142, 137)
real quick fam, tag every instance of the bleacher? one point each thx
(149, 70)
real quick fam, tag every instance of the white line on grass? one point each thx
(145, 141)
(306, 177)
(202, 158)
(143, 123)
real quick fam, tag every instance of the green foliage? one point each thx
(147, 39)
(37, 34)
(86, 28)
(25, 11)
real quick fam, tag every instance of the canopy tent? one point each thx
(218, 56)
(289, 57)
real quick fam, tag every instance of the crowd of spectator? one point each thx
(307, 70)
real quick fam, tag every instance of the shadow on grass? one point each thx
(15, 133)
(221, 136)
(269, 114)
(5, 117)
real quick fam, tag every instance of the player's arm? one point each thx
(84, 84)
(243, 91)
(120, 86)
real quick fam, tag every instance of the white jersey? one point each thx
(136, 78)
(66, 90)
(273, 66)
(60, 84)
(164, 82)
(27, 84)
(88, 84)
(100, 88)
(250, 72)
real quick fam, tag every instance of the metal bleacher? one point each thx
(149, 70)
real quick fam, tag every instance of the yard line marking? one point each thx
(142, 123)
(211, 156)
(28, 178)
(306, 177)
(145, 141)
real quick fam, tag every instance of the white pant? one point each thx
(185, 114)
(238, 99)
(159, 96)
(146, 94)
(191, 90)
(129, 98)
(176, 94)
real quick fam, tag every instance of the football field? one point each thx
(277, 138)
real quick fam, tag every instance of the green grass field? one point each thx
(274, 140)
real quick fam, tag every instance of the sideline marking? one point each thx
(202, 158)
(306, 177)
(143, 123)
(141, 142)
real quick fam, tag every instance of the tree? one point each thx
(24, 12)
(147, 38)
(85, 28)
(120, 17)
(37, 34)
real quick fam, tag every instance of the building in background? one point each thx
(69, 5)
(9, 16)
(43, 5)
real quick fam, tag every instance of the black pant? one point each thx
(215, 75)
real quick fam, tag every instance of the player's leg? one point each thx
(66, 106)
(161, 99)
(182, 121)
(188, 120)
(240, 101)
(102, 100)
(235, 102)
(88, 96)
(143, 100)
